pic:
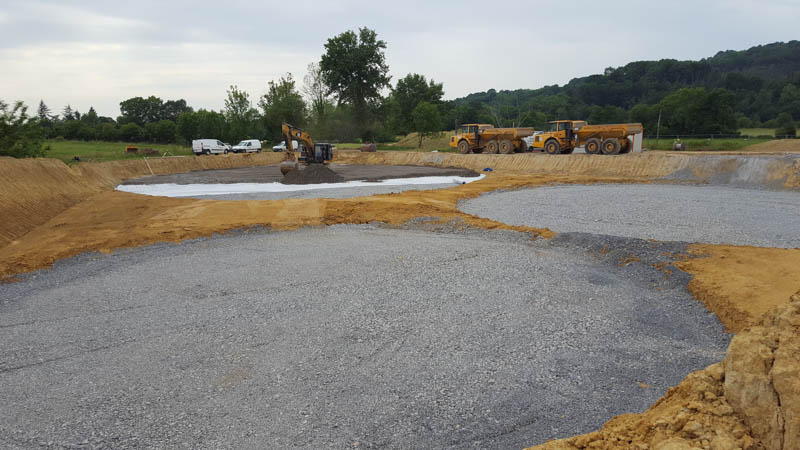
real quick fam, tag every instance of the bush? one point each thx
(20, 136)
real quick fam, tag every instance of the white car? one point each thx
(247, 146)
(529, 141)
(282, 146)
(209, 146)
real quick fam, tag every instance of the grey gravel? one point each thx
(344, 336)
(707, 214)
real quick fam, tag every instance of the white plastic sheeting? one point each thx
(194, 190)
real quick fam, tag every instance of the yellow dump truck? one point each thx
(485, 138)
(566, 135)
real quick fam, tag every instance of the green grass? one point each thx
(757, 131)
(404, 146)
(106, 151)
(704, 144)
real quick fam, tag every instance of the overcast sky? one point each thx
(97, 53)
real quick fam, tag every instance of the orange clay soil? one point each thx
(740, 284)
(112, 219)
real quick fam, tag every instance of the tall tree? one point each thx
(43, 112)
(282, 103)
(409, 92)
(67, 113)
(354, 69)
(316, 92)
(141, 110)
(427, 121)
(239, 113)
(90, 117)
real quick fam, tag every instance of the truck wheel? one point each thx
(491, 147)
(625, 147)
(611, 146)
(592, 146)
(552, 147)
(506, 146)
(463, 147)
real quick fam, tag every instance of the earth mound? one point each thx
(313, 174)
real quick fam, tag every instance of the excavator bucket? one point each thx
(288, 166)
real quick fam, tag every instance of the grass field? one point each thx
(704, 144)
(410, 143)
(106, 151)
(757, 131)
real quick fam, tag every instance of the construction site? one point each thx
(648, 300)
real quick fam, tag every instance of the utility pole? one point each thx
(658, 128)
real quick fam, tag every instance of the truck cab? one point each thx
(471, 133)
(560, 137)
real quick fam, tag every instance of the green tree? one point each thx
(282, 103)
(188, 126)
(108, 132)
(21, 136)
(354, 69)
(165, 131)
(131, 132)
(427, 121)
(67, 113)
(211, 124)
(240, 114)
(140, 110)
(785, 125)
(316, 93)
(90, 118)
(409, 92)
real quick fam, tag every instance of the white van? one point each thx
(248, 146)
(208, 146)
(282, 147)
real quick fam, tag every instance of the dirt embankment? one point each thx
(773, 171)
(749, 401)
(35, 190)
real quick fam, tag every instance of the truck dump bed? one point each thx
(507, 133)
(619, 130)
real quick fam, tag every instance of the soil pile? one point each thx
(313, 174)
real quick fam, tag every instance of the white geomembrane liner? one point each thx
(193, 190)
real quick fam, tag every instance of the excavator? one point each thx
(310, 153)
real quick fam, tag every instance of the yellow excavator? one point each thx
(310, 153)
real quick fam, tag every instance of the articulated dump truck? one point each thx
(566, 135)
(485, 138)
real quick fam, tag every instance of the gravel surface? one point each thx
(344, 336)
(707, 214)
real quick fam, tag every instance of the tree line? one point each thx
(348, 95)
(754, 88)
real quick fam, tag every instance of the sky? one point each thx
(98, 53)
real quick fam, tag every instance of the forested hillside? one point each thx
(751, 88)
